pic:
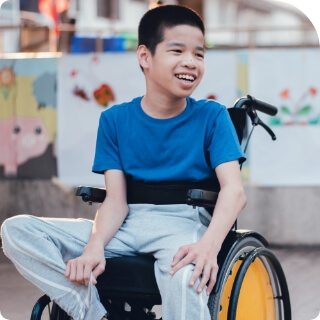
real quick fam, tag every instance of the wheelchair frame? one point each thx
(248, 270)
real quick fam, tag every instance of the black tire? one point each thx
(218, 303)
(45, 309)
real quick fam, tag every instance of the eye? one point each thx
(16, 129)
(200, 55)
(37, 130)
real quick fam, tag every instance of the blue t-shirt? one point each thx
(186, 147)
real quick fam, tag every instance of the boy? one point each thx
(164, 136)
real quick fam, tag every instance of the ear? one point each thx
(143, 54)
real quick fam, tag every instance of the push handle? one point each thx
(252, 105)
(264, 107)
(250, 102)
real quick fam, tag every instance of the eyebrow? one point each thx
(180, 44)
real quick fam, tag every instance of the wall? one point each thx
(284, 215)
(283, 202)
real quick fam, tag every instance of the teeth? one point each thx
(185, 77)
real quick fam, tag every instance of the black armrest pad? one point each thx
(201, 198)
(91, 194)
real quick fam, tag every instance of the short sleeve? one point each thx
(223, 144)
(107, 150)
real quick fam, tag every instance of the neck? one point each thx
(163, 108)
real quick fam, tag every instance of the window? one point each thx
(108, 9)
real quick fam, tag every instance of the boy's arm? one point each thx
(108, 220)
(203, 254)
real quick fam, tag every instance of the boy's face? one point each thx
(177, 66)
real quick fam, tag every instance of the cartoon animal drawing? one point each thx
(21, 138)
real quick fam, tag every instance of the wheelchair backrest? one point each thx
(238, 117)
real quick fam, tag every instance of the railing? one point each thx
(217, 38)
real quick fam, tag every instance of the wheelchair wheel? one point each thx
(45, 309)
(260, 291)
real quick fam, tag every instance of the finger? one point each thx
(181, 253)
(204, 278)
(182, 263)
(86, 274)
(99, 269)
(79, 272)
(198, 270)
(73, 270)
(212, 281)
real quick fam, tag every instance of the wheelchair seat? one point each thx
(131, 278)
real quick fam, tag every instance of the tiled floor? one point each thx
(301, 266)
(302, 269)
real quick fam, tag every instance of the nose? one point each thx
(190, 63)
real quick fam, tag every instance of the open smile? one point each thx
(186, 77)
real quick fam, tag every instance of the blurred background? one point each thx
(63, 62)
(32, 25)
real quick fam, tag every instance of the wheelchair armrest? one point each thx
(201, 198)
(91, 194)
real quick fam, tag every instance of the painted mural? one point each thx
(82, 86)
(288, 79)
(302, 110)
(28, 118)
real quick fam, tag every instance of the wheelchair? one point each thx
(250, 285)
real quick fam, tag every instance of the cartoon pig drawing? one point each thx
(21, 138)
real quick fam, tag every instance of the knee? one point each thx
(11, 229)
(14, 224)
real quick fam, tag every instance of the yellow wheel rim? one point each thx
(256, 299)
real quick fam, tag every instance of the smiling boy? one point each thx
(161, 138)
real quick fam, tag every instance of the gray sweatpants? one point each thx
(40, 248)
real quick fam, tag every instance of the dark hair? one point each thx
(155, 21)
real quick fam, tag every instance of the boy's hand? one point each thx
(204, 260)
(79, 270)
